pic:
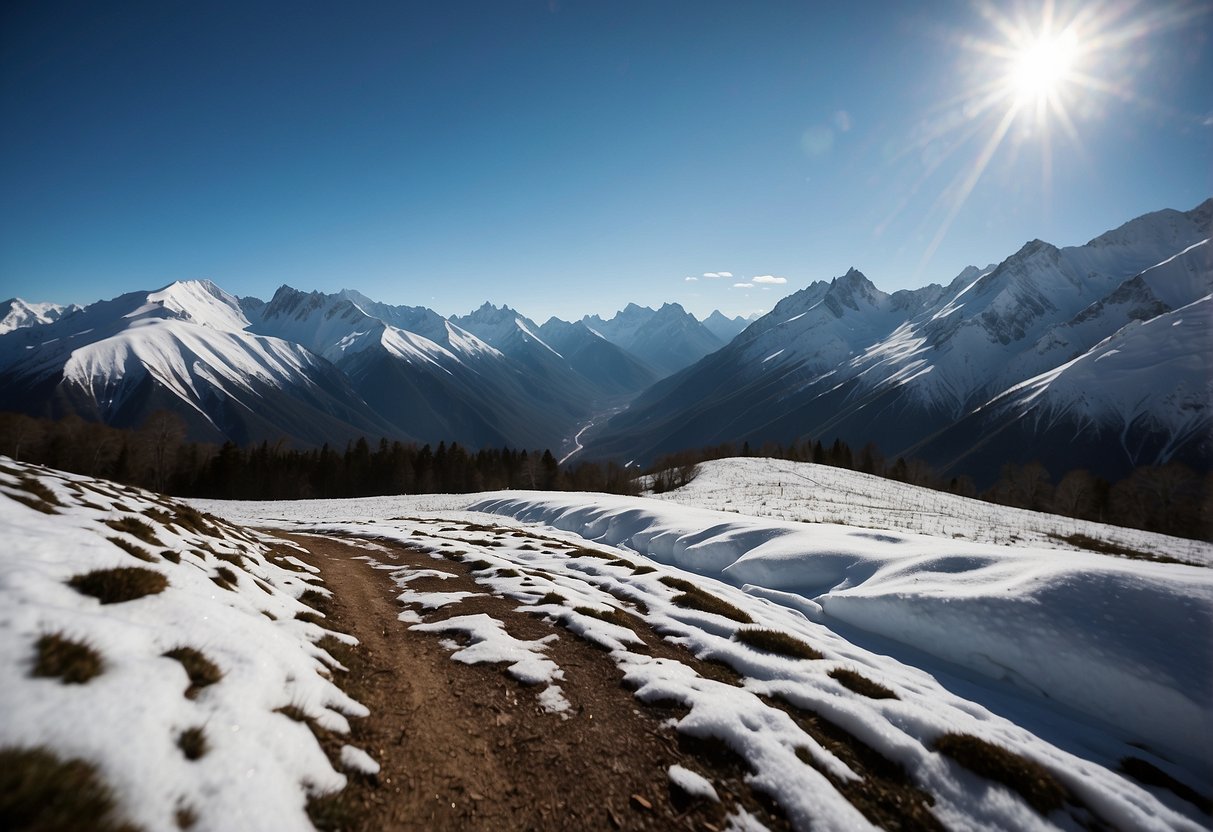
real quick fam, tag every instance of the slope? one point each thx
(892, 645)
(182, 348)
(845, 360)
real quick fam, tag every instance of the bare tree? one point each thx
(162, 434)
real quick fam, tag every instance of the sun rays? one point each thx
(1040, 72)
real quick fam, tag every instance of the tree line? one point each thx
(1171, 499)
(156, 456)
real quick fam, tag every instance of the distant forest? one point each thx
(1171, 499)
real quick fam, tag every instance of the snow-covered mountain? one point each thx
(1093, 356)
(666, 339)
(608, 366)
(184, 348)
(446, 385)
(16, 313)
(925, 371)
(724, 327)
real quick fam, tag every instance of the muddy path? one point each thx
(469, 747)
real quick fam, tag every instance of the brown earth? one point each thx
(468, 747)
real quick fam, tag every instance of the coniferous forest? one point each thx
(1170, 499)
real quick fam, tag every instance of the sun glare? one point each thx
(1043, 67)
(1042, 71)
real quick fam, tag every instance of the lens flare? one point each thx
(1043, 68)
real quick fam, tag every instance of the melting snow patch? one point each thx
(490, 643)
(552, 700)
(357, 760)
(743, 821)
(695, 785)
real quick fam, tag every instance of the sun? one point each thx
(1042, 68)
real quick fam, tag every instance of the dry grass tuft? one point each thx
(644, 570)
(115, 586)
(73, 662)
(225, 578)
(317, 600)
(337, 649)
(614, 616)
(193, 520)
(133, 549)
(186, 817)
(39, 791)
(192, 743)
(774, 641)
(1031, 781)
(551, 598)
(201, 670)
(40, 490)
(232, 558)
(694, 598)
(170, 556)
(135, 528)
(581, 552)
(32, 502)
(1092, 544)
(861, 684)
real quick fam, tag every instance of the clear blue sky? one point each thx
(568, 157)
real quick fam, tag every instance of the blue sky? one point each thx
(569, 157)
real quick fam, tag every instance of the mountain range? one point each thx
(312, 368)
(1096, 356)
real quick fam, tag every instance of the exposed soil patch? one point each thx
(468, 747)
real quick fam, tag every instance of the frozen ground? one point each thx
(1072, 659)
(225, 595)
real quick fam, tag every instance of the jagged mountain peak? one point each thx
(16, 313)
(724, 327)
(197, 301)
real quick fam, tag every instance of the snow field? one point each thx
(258, 767)
(558, 574)
(1121, 640)
(805, 492)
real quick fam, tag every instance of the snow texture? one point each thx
(127, 720)
(694, 785)
(1072, 660)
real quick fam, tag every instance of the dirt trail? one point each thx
(468, 747)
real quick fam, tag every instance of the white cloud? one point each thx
(725, 274)
(743, 285)
(713, 275)
(771, 279)
(690, 279)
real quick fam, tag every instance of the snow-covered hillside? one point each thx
(1077, 660)
(810, 493)
(164, 648)
(861, 674)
